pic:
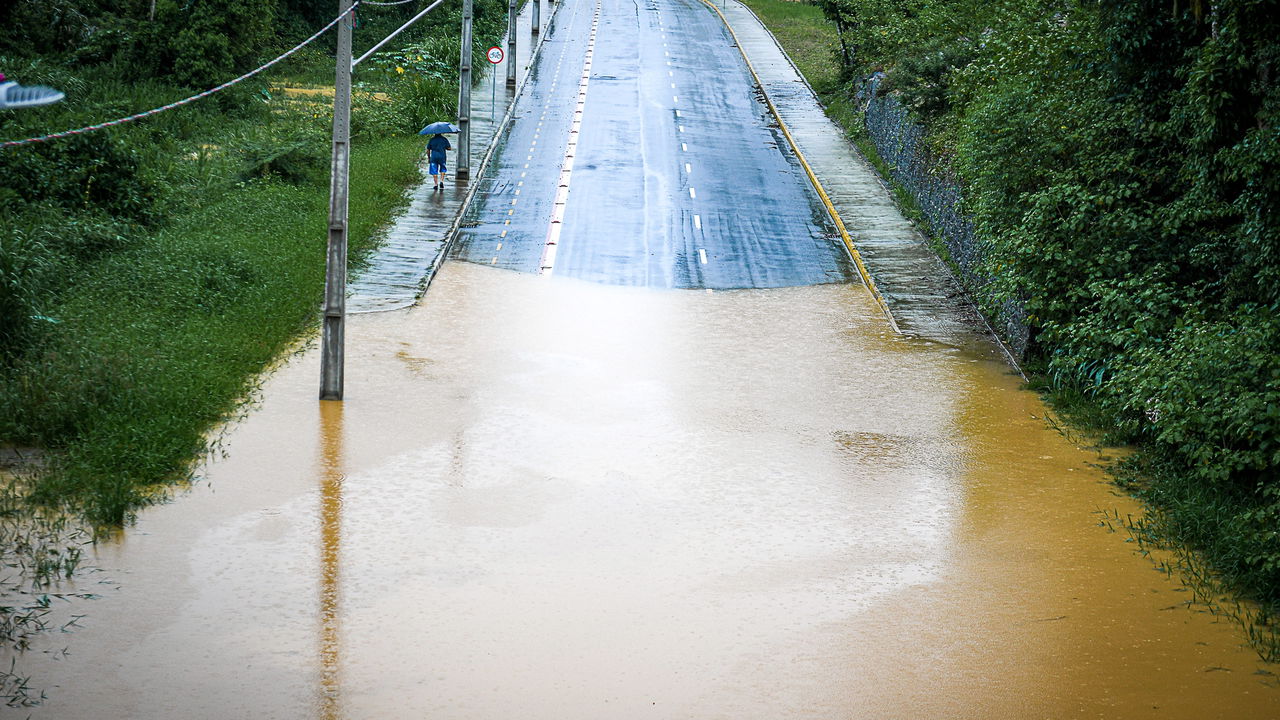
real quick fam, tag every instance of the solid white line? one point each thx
(702, 254)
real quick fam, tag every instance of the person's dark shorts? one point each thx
(437, 168)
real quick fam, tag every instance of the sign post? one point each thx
(495, 56)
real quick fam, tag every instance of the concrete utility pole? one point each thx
(537, 15)
(335, 283)
(511, 42)
(463, 162)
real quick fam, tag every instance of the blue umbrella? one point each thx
(439, 127)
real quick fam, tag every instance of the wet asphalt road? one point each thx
(641, 155)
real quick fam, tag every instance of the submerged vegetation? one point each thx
(1120, 162)
(149, 271)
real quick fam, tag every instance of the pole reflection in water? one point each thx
(329, 701)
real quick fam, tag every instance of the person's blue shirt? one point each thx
(437, 146)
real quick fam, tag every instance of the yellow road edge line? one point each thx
(813, 178)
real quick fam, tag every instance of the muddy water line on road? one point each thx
(552, 499)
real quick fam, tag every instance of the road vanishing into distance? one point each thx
(651, 162)
(647, 449)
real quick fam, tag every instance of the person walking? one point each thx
(436, 157)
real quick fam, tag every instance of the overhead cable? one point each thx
(193, 98)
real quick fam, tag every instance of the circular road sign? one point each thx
(495, 54)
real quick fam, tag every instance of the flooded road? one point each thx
(548, 498)
(545, 498)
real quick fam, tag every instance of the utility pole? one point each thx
(335, 283)
(511, 42)
(537, 15)
(463, 168)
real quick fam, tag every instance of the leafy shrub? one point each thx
(922, 79)
(81, 173)
(408, 89)
(295, 153)
(202, 43)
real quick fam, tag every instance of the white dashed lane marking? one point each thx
(552, 242)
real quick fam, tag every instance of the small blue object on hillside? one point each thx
(439, 127)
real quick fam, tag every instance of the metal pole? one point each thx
(335, 283)
(511, 42)
(537, 15)
(463, 168)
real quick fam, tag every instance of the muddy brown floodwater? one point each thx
(545, 499)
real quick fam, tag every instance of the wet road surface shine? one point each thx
(679, 175)
(558, 499)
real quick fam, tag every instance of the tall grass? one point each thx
(158, 343)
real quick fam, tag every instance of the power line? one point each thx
(184, 101)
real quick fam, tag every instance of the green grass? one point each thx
(159, 343)
(813, 46)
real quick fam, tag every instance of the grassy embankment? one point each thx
(145, 341)
(1193, 518)
(149, 272)
(157, 344)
